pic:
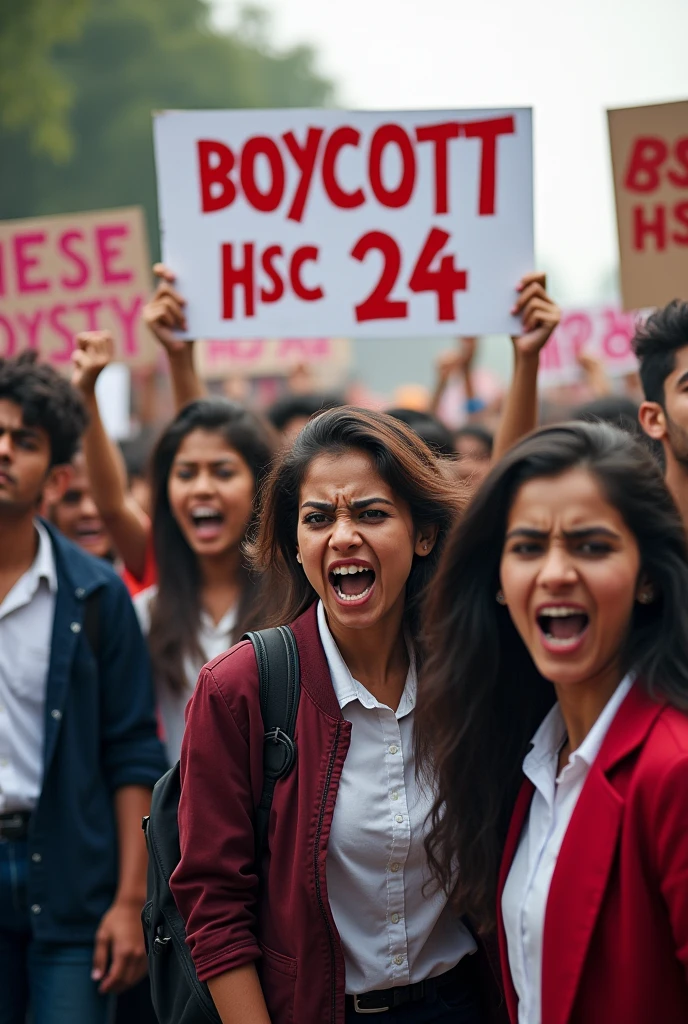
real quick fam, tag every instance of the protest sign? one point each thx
(605, 332)
(650, 160)
(309, 223)
(76, 272)
(327, 358)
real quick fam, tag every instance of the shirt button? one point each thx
(395, 919)
(394, 867)
(398, 960)
(36, 858)
(394, 749)
(56, 714)
(36, 908)
(399, 818)
(80, 592)
(75, 627)
(394, 795)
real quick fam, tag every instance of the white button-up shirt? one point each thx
(26, 625)
(524, 900)
(213, 638)
(392, 932)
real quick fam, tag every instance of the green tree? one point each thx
(134, 57)
(33, 94)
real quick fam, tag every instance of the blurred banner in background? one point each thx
(650, 161)
(71, 273)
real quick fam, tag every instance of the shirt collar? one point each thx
(551, 735)
(221, 629)
(347, 688)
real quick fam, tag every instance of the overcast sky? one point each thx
(568, 60)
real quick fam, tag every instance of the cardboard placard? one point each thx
(70, 273)
(327, 358)
(605, 332)
(650, 161)
(309, 223)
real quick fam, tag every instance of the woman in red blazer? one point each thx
(559, 672)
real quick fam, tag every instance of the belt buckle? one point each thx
(379, 1009)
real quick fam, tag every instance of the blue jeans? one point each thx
(453, 1005)
(49, 982)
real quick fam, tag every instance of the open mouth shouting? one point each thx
(207, 522)
(352, 581)
(563, 627)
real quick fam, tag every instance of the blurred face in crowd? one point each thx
(570, 576)
(473, 463)
(669, 423)
(356, 540)
(74, 512)
(210, 491)
(24, 462)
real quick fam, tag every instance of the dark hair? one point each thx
(47, 400)
(481, 697)
(428, 427)
(403, 461)
(479, 433)
(175, 614)
(619, 410)
(136, 452)
(656, 343)
(298, 406)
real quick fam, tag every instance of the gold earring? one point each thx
(499, 597)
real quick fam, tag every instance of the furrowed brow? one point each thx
(321, 506)
(365, 502)
(590, 531)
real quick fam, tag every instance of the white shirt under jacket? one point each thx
(213, 639)
(524, 900)
(391, 932)
(26, 626)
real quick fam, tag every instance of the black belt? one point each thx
(421, 991)
(15, 825)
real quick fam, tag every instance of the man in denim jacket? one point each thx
(79, 753)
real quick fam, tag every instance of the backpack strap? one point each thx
(280, 688)
(92, 621)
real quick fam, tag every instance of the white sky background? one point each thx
(569, 59)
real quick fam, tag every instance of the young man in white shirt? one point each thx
(79, 752)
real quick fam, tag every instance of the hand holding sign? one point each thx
(539, 315)
(164, 314)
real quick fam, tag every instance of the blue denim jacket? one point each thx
(100, 735)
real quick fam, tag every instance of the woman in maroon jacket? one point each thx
(354, 518)
(559, 672)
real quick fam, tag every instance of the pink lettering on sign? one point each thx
(26, 260)
(109, 252)
(605, 332)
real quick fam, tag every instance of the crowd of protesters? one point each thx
(486, 818)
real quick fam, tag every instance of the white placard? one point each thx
(113, 391)
(320, 223)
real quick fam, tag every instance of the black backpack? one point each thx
(178, 996)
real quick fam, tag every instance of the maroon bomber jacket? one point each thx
(289, 929)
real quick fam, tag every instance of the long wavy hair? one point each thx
(403, 461)
(480, 696)
(176, 610)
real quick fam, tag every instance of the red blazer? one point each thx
(286, 926)
(616, 927)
